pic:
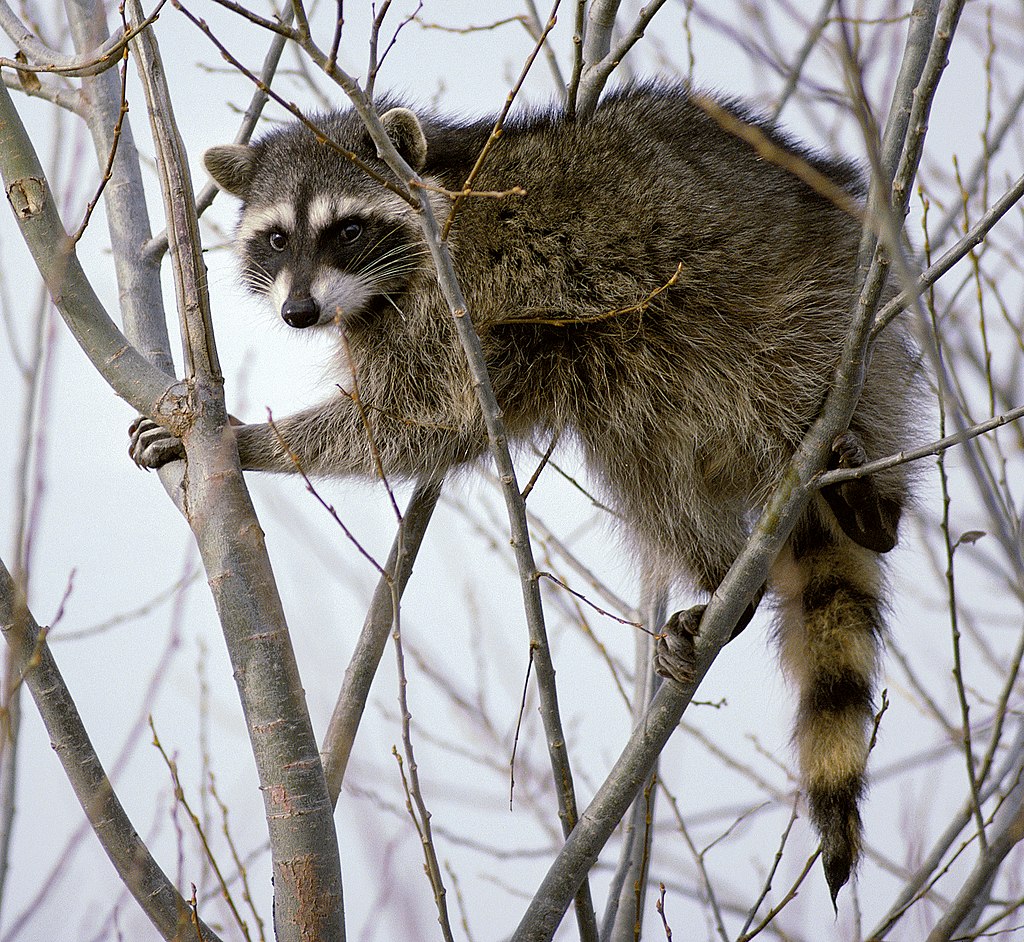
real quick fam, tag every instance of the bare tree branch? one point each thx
(623, 917)
(132, 377)
(158, 244)
(62, 97)
(814, 34)
(1011, 769)
(341, 732)
(597, 71)
(1007, 834)
(950, 257)
(42, 59)
(925, 451)
(304, 847)
(1010, 121)
(597, 41)
(142, 307)
(536, 28)
(151, 888)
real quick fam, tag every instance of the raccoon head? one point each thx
(324, 242)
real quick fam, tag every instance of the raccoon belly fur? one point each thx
(661, 293)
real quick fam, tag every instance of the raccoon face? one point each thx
(328, 260)
(318, 238)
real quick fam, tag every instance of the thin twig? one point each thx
(707, 887)
(375, 64)
(158, 244)
(292, 108)
(535, 28)
(958, 676)
(637, 308)
(785, 901)
(170, 593)
(923, 451)
(311, 488)
(542, 464)
(341, 731)
(197, 825)
(107, 170)
(596, 608)
(240, 868)
(766, 887)
(949, 258)
(413, 793)
(660, 908)
(811, 39)
(519, 725)
(802, 169)
(466, 30)
(42, 59)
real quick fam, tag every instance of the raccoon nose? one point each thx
(300, 312)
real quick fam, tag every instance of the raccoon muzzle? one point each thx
(300, 312)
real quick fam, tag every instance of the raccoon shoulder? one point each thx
(682, 113)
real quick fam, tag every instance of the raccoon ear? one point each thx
(406, 134)
(232, 167)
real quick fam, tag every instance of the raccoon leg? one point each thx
(866, 516)
(333, 438)
(709, 562)
(675, 654)
(830, 630)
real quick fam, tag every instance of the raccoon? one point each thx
(654, 290)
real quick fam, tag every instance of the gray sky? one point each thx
(107, 531)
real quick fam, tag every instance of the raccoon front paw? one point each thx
(152, 446)
(676, 654)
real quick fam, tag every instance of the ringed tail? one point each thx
(830, 631)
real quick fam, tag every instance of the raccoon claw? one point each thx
(847, 451)
(676, 654)
(152, 446)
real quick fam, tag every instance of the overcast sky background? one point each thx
(107, 530)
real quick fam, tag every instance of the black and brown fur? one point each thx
(662, 294)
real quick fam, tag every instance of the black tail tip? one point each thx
(838, 864)
(834, 812)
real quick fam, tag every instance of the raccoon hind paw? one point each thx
(676, 653)
(868, 517)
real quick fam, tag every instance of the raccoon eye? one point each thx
(350, 230)
(278, 240)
